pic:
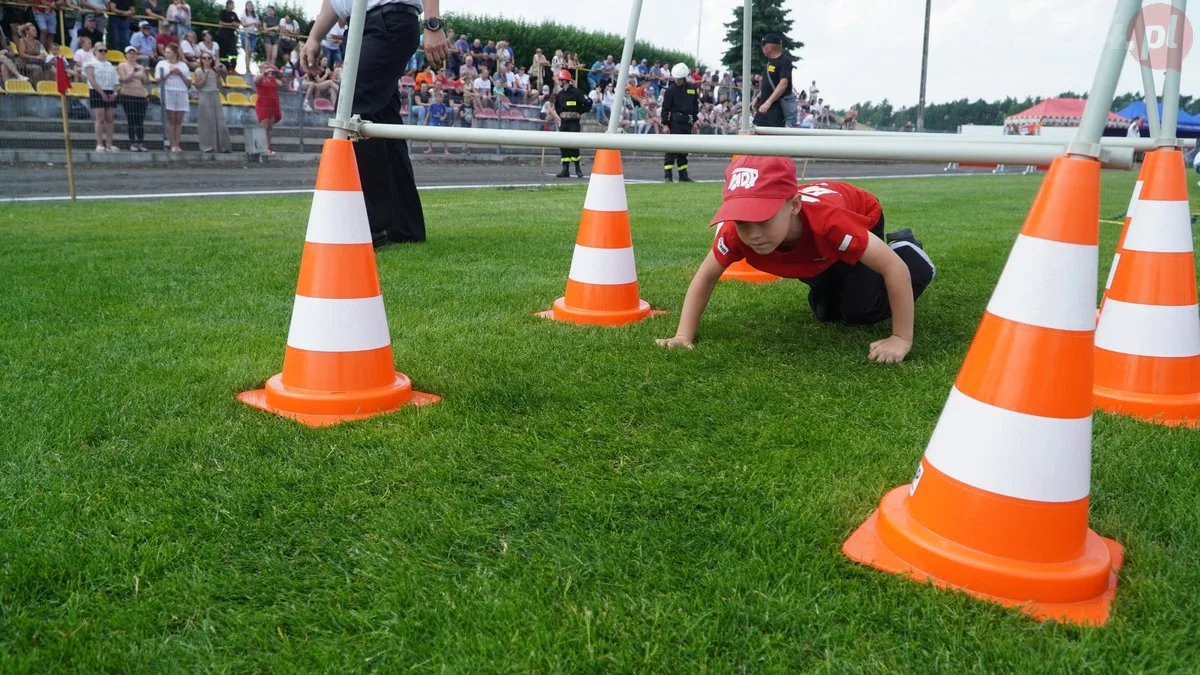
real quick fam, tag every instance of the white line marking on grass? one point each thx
(257, 193)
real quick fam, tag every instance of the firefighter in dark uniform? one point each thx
(569, 105)
(681, 105)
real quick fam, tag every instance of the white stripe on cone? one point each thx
(1009, 453)
(1133, 201)
(1149, 330)
(1049, 284)
(338, 325)
(606, 193)
(1160, 227)
(338, 217)
(1112, 271)
(603, 266)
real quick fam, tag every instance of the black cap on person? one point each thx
(772, 39)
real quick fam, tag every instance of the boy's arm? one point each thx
(882, 259)
(698, 294)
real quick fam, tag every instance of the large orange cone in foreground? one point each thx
(602, 286)
(999, 505)
(338, 364)
(1148, 338)
(743, 271)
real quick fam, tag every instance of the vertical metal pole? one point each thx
(924, 69)
(1151, 100)
(699, 20)
(1104, 85)
(353, 37)
(635, 13)
(747, 73)
(1170, 110)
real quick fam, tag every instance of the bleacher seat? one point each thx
(237, 98)
(404, 110)
(18, 87)
(486, 114)
(153, 91)
(254, 97)
(514, 115)
(323, 105)
(78, 90)
(47, 88)
(236, 82)
(224, 101)
(407, 81)
(65, 52)
(115, 57)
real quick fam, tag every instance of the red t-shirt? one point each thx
(838, 221)
(164, 38)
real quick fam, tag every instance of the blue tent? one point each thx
(1189, 125)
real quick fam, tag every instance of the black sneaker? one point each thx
(903, 235)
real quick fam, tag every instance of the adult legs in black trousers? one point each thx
(390, 37)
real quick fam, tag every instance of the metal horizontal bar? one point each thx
(1138, 144)
(868, 148)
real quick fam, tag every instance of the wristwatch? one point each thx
(433, 23)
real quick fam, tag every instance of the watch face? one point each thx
(433, 24)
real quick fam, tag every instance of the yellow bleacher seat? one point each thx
(236, 82)
(238, 99)
(65, 52)
(18, 87)
(47, 88)
(224, 101)
(253, 99)
(115, 57)
(78, 90)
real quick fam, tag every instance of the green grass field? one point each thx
(581, 500)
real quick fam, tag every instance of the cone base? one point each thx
(974, 568)
(319, 408)
(590, 317)
(749, 276)
(1168, 410)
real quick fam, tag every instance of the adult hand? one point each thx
(764, 108)
(892, 349)
(436, 47)
(675, 342)
(310, 56)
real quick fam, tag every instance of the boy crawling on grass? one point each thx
(828, 235)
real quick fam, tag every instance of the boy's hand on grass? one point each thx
(673, 342)
(892, 349)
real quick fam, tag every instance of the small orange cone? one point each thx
(999, 505)
(743, 271)
(1148, 338)
(602, 286)
(338, 363)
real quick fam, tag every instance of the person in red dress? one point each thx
(830, 236)
(266, 105)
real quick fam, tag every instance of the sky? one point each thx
(861, 50)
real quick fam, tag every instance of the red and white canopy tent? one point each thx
(1060, 112)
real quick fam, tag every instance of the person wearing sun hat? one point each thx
(829, 235)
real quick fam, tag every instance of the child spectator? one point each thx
(439, 116)
(82, 56)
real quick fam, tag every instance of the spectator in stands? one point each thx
(180, 16)
(89, 31)
(82, 56)
(559, 62)
(477, 52)
(95, 9)
(143, 44)
(174, 76)
(595, 74)
(331, 45)
(289, 33)
(320, 82)
(467, 72)
(596, 97)
(482, 86)
(851, 119)
(454, 55)
(190, 50)
(210, 118)
(523, 85)
(8, 68)
(132, 77)
(163, 39)
(573, 63)
(439, 116)
(270, 28)
(420, 104)
(250, 24)
(208, 46)
(489, 53)
(45, 15)
(32, 55)
(228, 23)
(266, 104)
(505, 54)
(121, 12)
(537, 70)
(155, 14)
(102, 95)
(426, 76)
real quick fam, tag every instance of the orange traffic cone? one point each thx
(602, 286)
(999, 505)
(743, 271)
(1148, 339)
(338, 363)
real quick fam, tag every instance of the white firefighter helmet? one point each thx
(680, 71)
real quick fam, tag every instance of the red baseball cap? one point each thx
(755, 188)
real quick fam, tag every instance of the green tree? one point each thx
(768, 16)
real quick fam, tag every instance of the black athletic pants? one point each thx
(567, 155)
(135, 117)
(856, 294)
(679, 160)
(390, 37)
